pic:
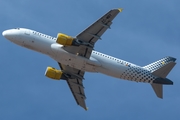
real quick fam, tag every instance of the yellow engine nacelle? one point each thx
(64, 39)
(53, 73)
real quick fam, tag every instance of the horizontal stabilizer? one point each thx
(158, 89)
(164, 81)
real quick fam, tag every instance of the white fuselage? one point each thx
(98, 62)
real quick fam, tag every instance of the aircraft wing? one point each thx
(76, 84)
(89, 37)
(95, 31)
(91, 34)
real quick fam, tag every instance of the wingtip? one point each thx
(86, 108)
(120, 9)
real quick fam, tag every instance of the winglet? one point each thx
(120, 9)
(86, 108)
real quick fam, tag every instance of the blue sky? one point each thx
(143, 33)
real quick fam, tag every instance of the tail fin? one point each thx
(161, 68)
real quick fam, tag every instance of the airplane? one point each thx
(76, 55)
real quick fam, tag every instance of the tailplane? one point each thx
(161, 69)
(158, 89)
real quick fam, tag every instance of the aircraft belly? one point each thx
(114, 69)
(82, 63)
(77, 62)
(126, 71)
(72, 60)
(59, 54)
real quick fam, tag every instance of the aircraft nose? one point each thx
(13, 35)
(6, 33)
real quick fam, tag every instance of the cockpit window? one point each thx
(17, 28)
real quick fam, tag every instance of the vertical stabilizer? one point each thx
(164, 70)
(159, 64)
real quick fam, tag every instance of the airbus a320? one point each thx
(76, 55)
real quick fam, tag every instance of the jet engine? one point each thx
(64, 39)
(53, 73)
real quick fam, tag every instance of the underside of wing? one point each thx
(91, 34)
(75, 84)
(77, 90)
(95, 31)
